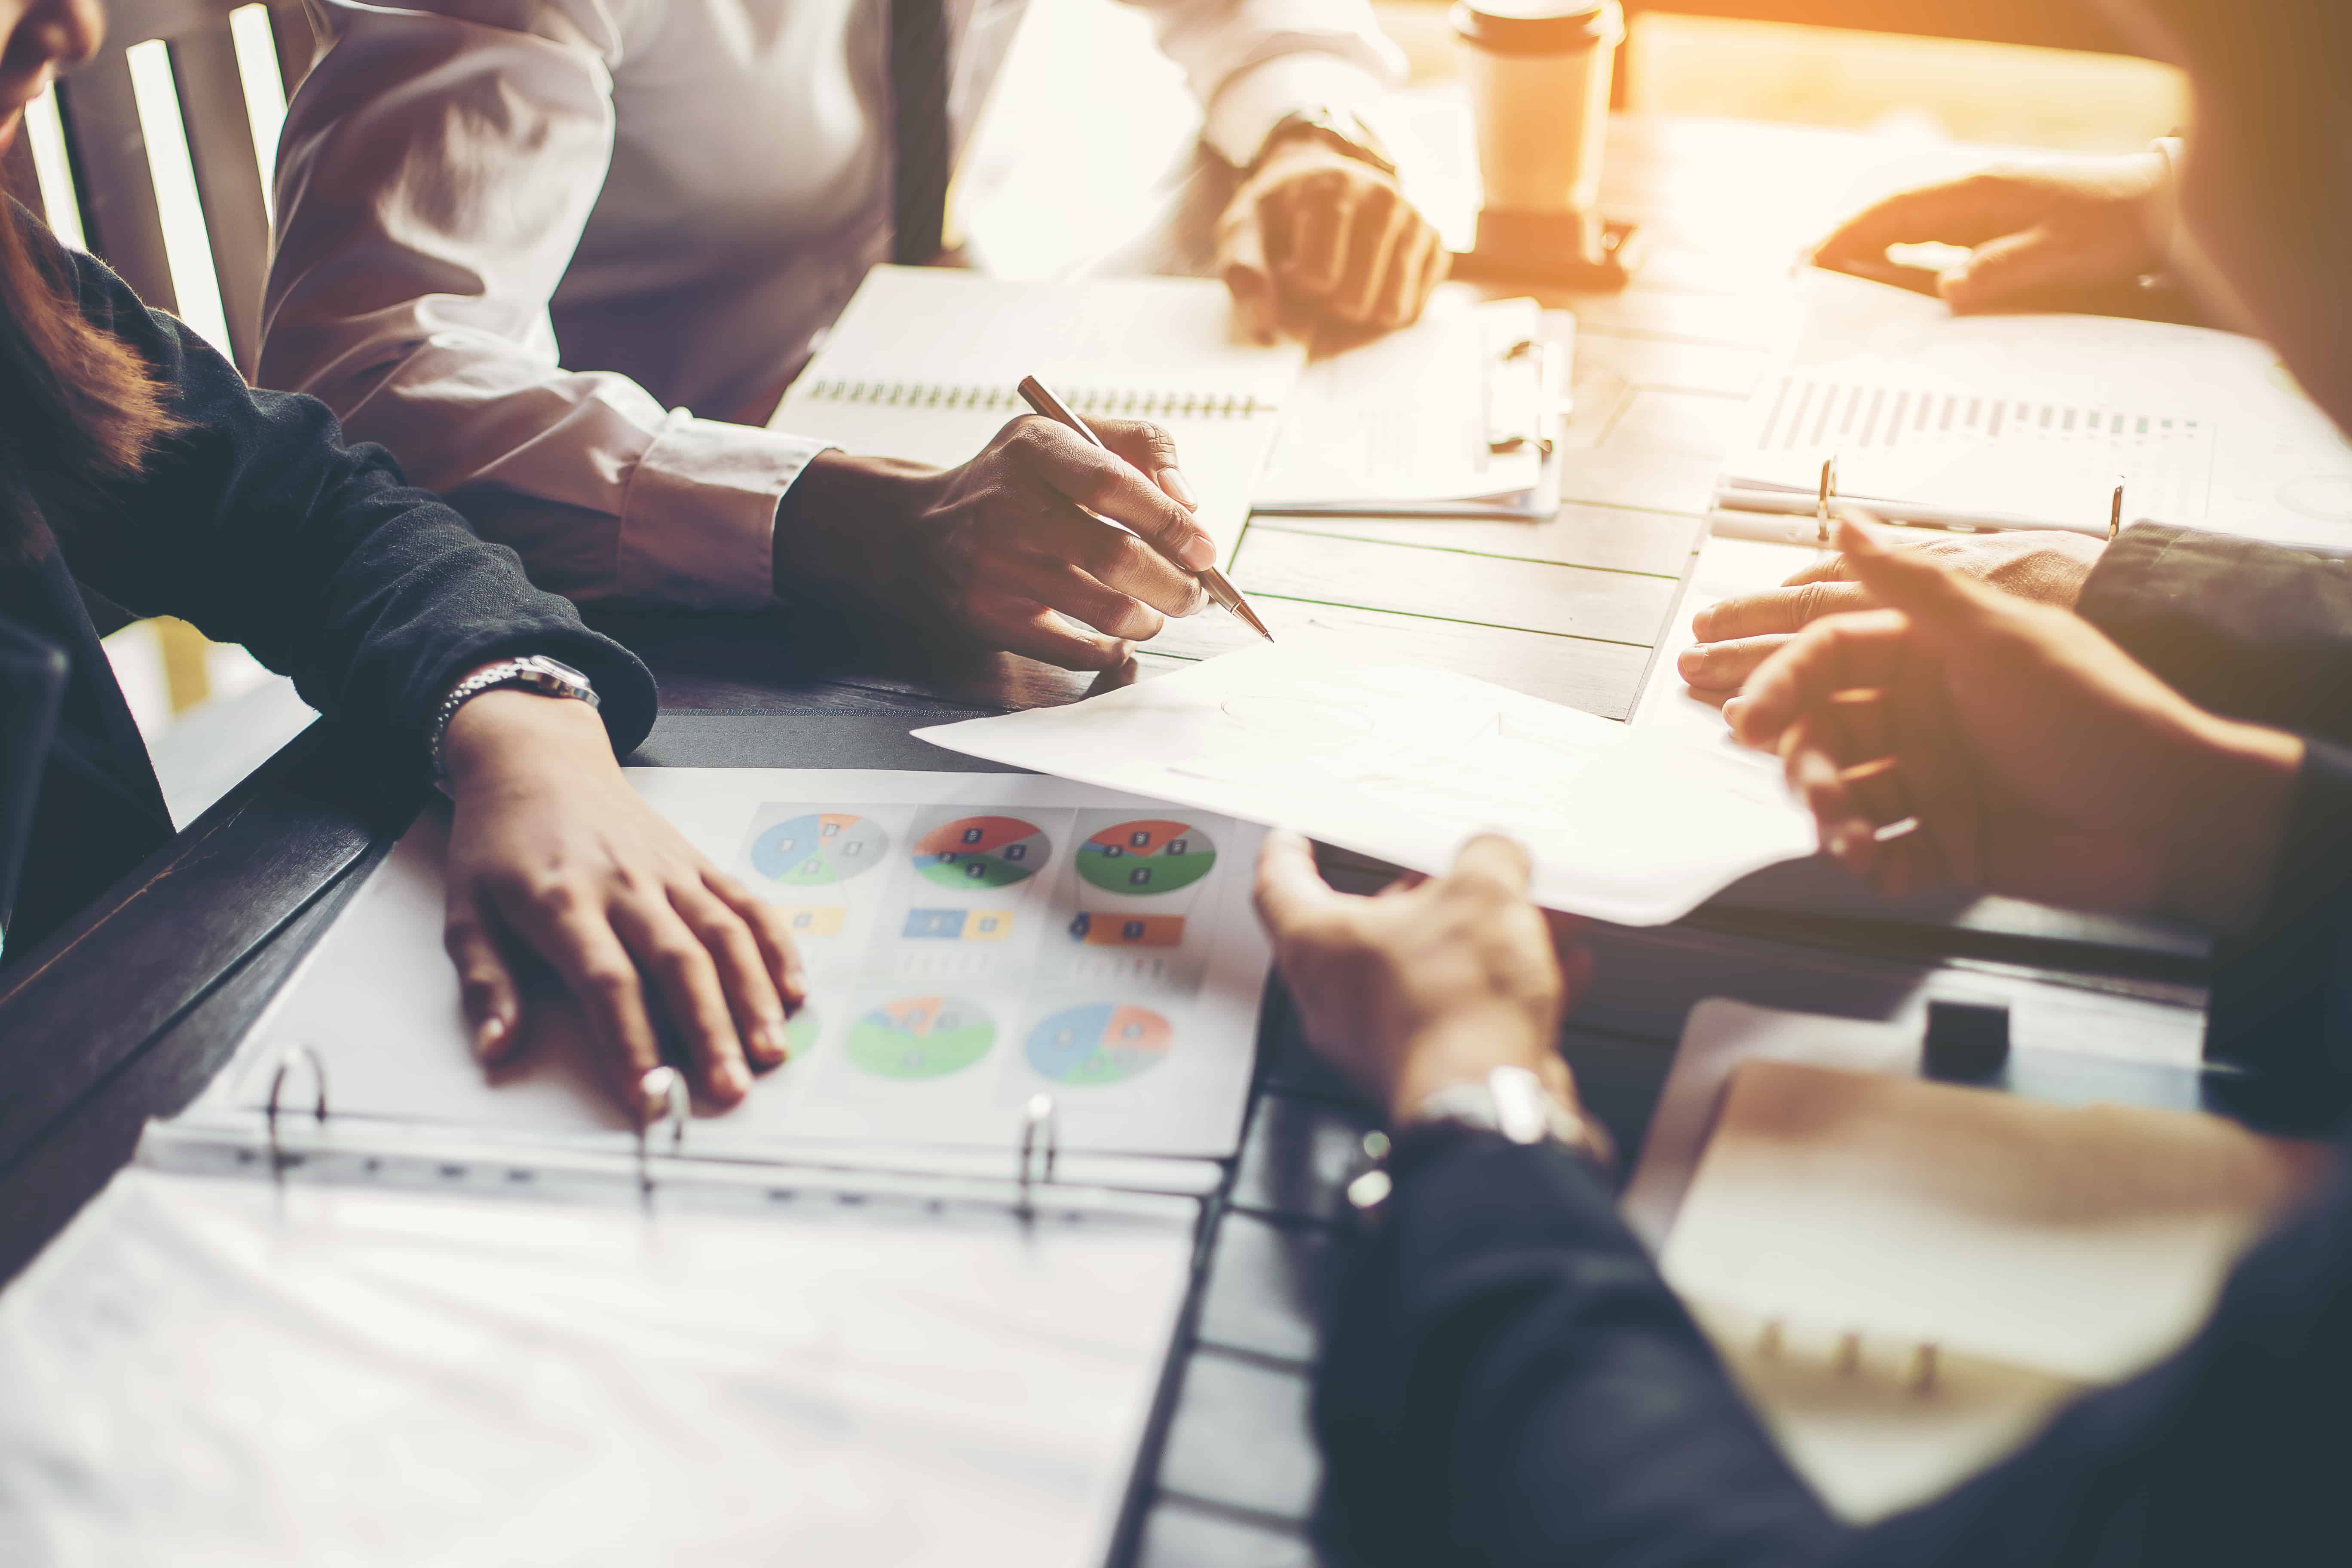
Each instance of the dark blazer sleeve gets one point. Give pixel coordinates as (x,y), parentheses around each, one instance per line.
(1509,1383)
(2282,996)
(2252,631)
(260,526)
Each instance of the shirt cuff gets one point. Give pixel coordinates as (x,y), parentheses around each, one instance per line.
(1253,100)
(698,522)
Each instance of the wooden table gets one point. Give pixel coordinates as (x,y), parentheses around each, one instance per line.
(128,1014)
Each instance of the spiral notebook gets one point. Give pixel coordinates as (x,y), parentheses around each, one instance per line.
(923,362)
(1908,1278)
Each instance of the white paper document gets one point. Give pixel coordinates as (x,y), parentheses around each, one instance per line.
(210,1371)
(2031,421)
(1635,826)
(972,940)
(1456,416)
(923,362)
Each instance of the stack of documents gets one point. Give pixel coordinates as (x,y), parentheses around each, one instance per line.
(2030,422)
(1458,416)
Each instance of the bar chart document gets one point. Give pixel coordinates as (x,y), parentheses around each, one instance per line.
(2031,421)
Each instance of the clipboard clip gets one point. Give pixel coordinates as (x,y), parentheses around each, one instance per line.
(1522,392)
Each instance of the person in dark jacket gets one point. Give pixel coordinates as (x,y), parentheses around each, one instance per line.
(1508,1380)
(135,462)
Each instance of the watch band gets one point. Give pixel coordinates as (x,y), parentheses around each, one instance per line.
(1510,1104)
(533,672)
(1343,129)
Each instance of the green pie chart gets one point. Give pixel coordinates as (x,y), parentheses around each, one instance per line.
(921,1037)
(1146,856)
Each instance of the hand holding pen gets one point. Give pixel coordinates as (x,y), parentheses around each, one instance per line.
(1220,589)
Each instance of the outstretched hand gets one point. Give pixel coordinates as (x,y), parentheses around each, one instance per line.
(1738,634)
(1431,982)
(551,852)
(2038,234)
(1965,736)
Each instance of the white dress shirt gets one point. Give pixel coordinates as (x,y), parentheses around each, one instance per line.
(562,255)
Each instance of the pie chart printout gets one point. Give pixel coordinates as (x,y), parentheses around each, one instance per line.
(921,1037)
(820,848)
(981,852)
(1146,856)
(1102,1043)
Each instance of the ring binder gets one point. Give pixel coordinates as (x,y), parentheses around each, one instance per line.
(668,1085)
(294,1057)
(1037,1115)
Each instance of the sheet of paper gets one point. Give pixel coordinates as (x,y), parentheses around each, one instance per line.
(923,362)
(1872,1227)
(973,940)
(1324,734)
(2033,419)
(210,1371)
(1402,419)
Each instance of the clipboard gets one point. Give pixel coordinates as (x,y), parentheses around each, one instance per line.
(1458,415)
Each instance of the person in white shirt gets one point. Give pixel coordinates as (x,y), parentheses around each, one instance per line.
(561,256)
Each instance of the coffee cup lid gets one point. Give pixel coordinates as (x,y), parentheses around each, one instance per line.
(1538,27)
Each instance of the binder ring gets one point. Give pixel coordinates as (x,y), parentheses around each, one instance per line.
(1035,1117)
(294,1056)
(666,1085)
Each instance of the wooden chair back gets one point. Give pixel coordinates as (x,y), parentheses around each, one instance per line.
(113,183)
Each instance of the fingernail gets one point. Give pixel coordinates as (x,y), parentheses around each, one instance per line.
(1837,844)
(767,1043)
(1733,707)
(488,1036)
(1703,623)
(1693,654)
(1199,551)
(1173,482)
(734,1079)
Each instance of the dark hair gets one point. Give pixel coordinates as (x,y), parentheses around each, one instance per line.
(79,405)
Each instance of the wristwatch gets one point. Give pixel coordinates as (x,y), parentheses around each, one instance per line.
(1509,1102)
(534,672)
(1343,129)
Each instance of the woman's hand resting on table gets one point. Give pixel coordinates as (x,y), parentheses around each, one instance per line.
(2036,758)
(1430,983)
(549,850)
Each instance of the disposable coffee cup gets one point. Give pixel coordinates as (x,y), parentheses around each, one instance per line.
(1539,73)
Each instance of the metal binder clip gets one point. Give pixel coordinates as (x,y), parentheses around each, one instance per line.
(1822,505)
(1518,418)
(278,1159)
(2116,513)
(668,1085)
(1036,1118)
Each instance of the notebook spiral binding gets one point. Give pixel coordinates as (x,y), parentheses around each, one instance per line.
(431,1159)
(1109,402)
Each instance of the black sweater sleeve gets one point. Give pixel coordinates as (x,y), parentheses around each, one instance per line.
(260,526)
(1509,1383)
(2252,631)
